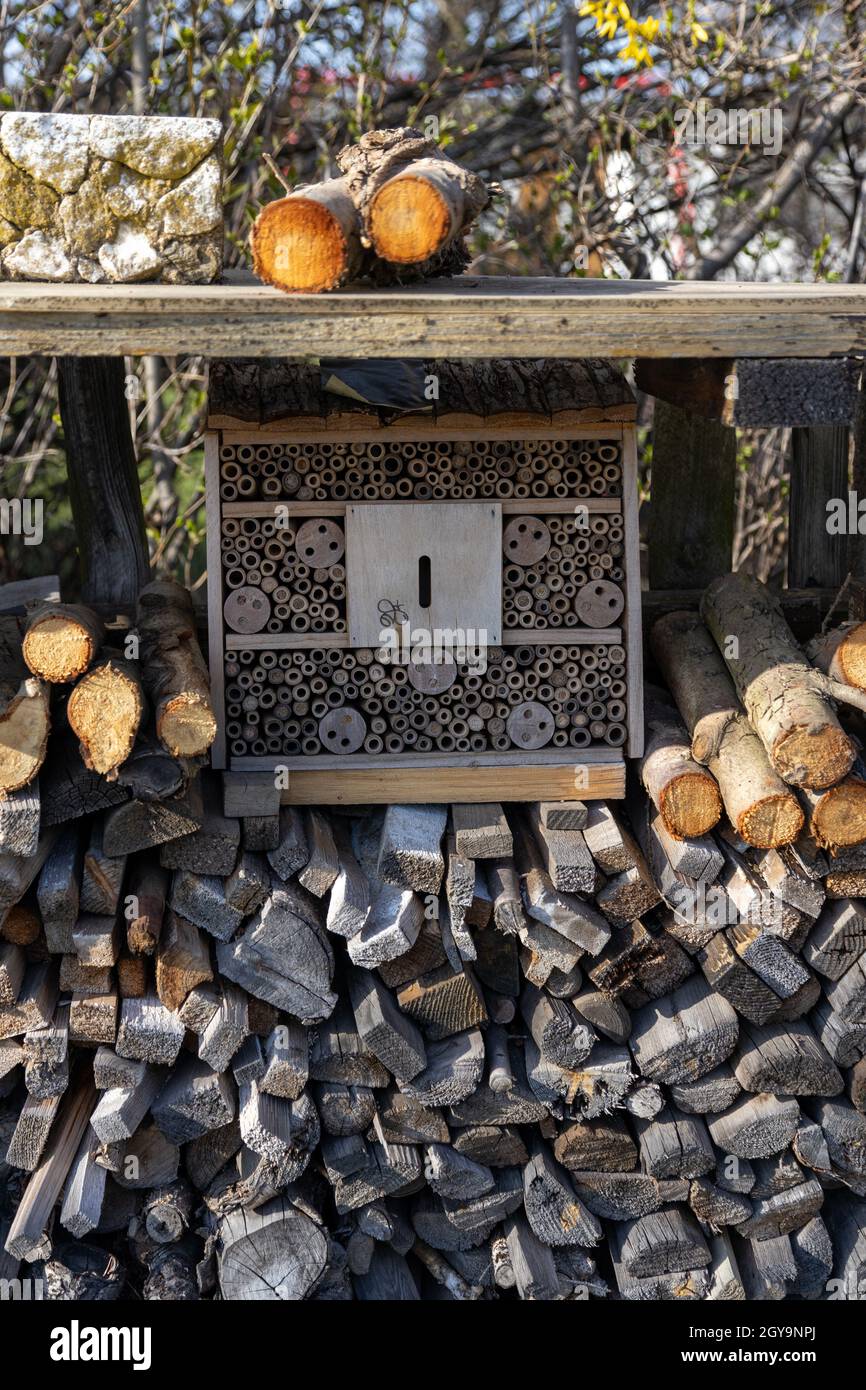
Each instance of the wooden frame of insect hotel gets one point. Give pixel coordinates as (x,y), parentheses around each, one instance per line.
(432,603)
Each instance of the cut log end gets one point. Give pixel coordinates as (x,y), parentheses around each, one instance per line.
(690,805)
(839,818)
(186,726)
(299,244)
(59,649)
(410,220)
(851,657)
(773,821)
(25,721)
(815,757)
(104,711)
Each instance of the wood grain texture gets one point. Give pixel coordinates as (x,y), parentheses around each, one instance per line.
(475,317)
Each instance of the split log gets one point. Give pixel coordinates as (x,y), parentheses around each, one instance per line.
(755,1126)
(349,898)
(226,1030)
(454,1070)
(25,721)
(685,1036)
(444,1002)
(617,1196)
(481,831)
(785,699)
(309,241)
(62,641)
(93,1017)
(604,1145)
(399,1118)
(104,711)
(533,1264)
(337,1053)
(759,805)
(284,956)
(193,1101)
(553,1208)
(27,1239)
(768,1269)
(387,1032)
(710,1094)
(137,825)
(182,962)
(286,1060)
(558,1031)
(119,1113)
(174,672)
(145,904)
(84,1194)
(732,980)
(564,913)
(663,1242)
(323,865)
(813,1256)
(292,852)
(410,855)
(674,1145)
(565,856)
(508,913)
(57,891)
(148,1032)
(451,1174)
(202,900)
(786,1059)
(784,1212)
(20,818)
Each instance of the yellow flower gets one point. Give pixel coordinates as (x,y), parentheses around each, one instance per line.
(699,34)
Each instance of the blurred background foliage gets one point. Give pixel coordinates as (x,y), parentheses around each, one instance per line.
(574,110)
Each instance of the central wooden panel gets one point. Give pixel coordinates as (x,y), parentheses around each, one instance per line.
(401,555)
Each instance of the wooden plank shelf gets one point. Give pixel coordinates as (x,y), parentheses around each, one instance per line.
(472,316)
(588,774)
(511,506)
(511,637)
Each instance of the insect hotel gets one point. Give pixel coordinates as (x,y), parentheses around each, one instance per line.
(432,603)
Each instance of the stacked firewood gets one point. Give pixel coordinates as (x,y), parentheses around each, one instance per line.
(399,210)
(551,1051)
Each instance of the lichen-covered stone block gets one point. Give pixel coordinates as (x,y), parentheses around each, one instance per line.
(113,199)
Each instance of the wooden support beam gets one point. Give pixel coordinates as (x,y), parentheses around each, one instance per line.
(103,480)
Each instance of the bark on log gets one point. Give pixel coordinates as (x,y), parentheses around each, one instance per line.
(841,654)
(175,675)
(309,241)
(62,641)
(415,205)
(785,699)
(759,805)
(685,794)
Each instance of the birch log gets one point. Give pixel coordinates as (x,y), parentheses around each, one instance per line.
(786,700)
(760,806)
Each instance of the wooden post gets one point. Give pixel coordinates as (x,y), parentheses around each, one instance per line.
(819,471)
(691,529)
(103,480)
